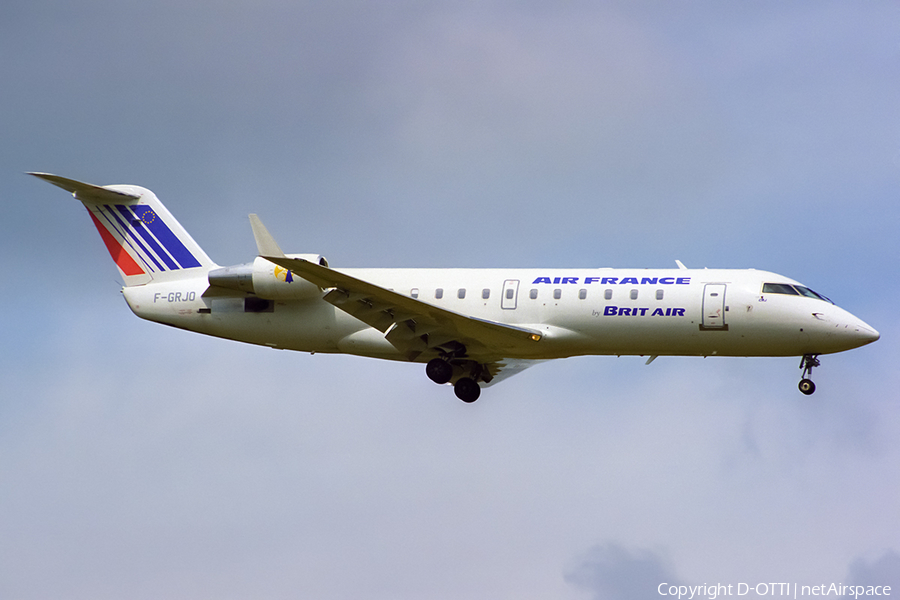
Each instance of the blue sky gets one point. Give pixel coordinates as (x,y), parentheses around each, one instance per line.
(145,462)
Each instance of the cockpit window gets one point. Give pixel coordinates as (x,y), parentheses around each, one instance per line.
(792,290)
(779,288)
(805,291)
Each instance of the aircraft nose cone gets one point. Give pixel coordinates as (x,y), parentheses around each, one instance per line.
(869,334)
(861,332)
(843,330)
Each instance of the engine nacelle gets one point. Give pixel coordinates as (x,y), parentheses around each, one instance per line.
(268,280)
(273,282)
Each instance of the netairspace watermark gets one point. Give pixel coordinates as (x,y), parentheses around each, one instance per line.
(790,590)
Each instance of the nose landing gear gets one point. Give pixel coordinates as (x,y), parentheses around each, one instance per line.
(807,363)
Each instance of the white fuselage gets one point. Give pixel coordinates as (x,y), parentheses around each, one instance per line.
(693,312)
(469,326)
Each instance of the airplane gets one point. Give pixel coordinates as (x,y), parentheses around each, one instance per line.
(470,327)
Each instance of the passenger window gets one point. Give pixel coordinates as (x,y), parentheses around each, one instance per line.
(439,293)
(461,293)
(634,294)
(533,294)
(510,293)
(582,294)
(659,294)
(486,293)
(557,294)
(414,292)
(608,294)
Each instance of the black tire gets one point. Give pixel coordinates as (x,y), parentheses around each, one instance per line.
(439,370)
(467,389)
(807,386)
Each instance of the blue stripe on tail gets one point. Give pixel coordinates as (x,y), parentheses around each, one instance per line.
(126,228)
(172,245)
(166,237)
(138,226)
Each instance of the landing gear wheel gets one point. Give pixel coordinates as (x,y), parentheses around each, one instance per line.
(439,370)
(467,389)
(807,386)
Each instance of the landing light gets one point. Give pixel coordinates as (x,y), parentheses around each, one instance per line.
(536,337)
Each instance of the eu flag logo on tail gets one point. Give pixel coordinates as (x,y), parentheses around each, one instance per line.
(148,217)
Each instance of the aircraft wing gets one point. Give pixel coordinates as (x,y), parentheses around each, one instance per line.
(413,326)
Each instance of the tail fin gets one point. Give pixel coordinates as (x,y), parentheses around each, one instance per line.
(143,238)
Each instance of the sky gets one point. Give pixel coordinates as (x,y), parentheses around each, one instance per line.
(144,462)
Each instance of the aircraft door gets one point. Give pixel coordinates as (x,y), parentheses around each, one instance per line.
(510,294)
(714,306)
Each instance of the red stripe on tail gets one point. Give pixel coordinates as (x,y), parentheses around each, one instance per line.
(123,260)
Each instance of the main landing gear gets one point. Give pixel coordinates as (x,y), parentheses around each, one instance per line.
(807,363)
(441,371)
(467,389)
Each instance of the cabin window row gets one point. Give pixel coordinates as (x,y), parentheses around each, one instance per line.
(533,294)
(460,293)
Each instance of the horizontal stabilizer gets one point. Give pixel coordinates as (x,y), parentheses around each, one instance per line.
(86,192)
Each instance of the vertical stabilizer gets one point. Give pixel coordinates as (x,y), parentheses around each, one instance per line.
(142,237)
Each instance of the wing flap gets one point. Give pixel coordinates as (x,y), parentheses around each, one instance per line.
(404,336)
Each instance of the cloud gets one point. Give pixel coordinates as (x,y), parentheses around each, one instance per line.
(612,572)
(881,571)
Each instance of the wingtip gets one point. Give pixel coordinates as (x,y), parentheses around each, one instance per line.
(265,243)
